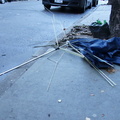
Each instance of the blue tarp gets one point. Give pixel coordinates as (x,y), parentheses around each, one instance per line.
(108,50)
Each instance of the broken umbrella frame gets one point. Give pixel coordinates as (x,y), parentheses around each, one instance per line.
(78,53)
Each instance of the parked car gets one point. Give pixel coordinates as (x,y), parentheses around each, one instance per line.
(2,1)
(81,5)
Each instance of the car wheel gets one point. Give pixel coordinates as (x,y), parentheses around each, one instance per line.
(62,7)
(90,6)
(2,1)
(47,7)
(83,8)
(95,2)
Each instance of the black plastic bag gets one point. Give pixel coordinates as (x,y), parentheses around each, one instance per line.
(101,31)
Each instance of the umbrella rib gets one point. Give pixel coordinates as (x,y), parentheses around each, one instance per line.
(112,83)
(53,73)
(96,57)
(33,59)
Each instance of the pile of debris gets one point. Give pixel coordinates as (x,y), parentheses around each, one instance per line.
(78,32)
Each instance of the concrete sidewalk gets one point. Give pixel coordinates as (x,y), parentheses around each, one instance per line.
(62,86)
(101,12)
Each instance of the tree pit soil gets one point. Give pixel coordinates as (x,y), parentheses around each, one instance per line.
(75,33)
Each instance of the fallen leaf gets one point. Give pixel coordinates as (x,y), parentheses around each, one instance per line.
(111,70)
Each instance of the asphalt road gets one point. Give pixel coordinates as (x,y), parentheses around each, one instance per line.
(24,25)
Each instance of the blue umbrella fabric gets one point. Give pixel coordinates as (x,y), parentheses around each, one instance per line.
(99,51)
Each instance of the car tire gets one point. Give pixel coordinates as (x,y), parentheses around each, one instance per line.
(95,2)
(62,7)
(82,9)
(2,1)
(90,6)
(47,7)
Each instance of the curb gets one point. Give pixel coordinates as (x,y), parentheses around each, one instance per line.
(87,15)
(61,35)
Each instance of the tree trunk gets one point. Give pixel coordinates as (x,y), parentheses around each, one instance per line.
(115,19)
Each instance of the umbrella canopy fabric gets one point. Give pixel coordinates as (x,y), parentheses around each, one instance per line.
(98,51)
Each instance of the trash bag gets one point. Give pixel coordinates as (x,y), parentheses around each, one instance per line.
(100,30)
(99,51)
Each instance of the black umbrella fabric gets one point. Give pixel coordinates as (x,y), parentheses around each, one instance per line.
(100,52)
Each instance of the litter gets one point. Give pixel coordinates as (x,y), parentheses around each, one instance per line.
(59,101)
(101,53)
(87,118)
(100,30)
(90,50)
(99,71)
(76,46)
